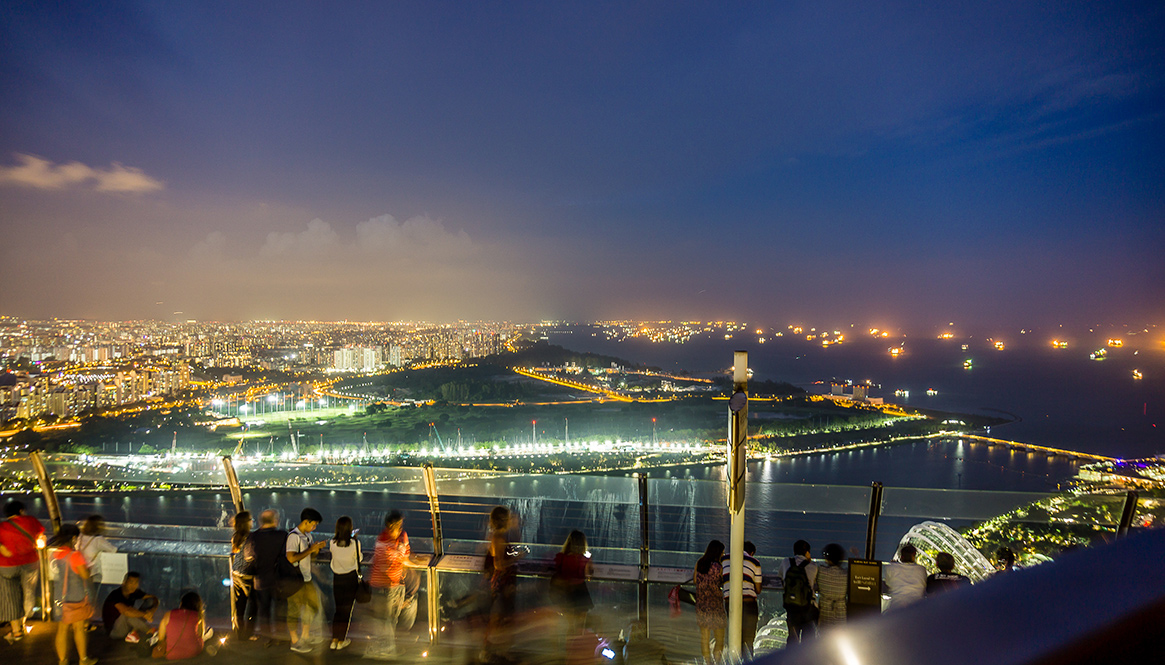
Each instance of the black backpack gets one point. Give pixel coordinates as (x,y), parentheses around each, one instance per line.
(798,591)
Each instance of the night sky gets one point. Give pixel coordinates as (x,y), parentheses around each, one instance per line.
(988,163)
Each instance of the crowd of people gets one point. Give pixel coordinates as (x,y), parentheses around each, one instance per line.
(74,563)
(277,600)
(814,596)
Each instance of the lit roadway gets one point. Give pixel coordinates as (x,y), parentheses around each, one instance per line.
(605,392)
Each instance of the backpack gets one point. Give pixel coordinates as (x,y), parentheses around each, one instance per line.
(798,592)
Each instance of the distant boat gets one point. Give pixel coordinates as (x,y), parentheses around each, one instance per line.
(1099,354)
(999,346)
(967,364)
(902,393)
(964,347)
(931,391)
(1137,374)
(1059,344)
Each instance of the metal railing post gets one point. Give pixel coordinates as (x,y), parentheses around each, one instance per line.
(1127,514)
(644,547)
(233,483)
(872,519)
(46,591)
(434,507)
(46,488)
(50,498)
(434,604)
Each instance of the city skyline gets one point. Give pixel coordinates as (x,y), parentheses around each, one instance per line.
(896,166)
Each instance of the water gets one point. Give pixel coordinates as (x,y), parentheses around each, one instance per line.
(924,463)
(1059,398)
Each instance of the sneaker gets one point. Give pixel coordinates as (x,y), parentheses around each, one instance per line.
(133,638)
(301,648)
(332,646)
(208,634)
(342,645)
(88,661)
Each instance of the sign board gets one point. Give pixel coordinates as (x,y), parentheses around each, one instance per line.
(610,571)
(113,567)
(865,587)
(468,563)
(673,575)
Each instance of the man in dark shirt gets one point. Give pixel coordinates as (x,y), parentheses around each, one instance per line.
(122,616)
(262,552)
(946,579)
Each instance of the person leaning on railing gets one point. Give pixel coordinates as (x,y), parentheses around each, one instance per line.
(388,590)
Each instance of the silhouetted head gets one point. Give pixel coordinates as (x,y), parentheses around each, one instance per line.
(801,548)
(13,508)
(907,553)
(93,525)
(499,519)
(576,543)
(944,561)
(833,553)
(190,601)
(711,555)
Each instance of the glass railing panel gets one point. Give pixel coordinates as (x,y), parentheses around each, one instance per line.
(773,532)
(842,499)
(544,519)
(942,504)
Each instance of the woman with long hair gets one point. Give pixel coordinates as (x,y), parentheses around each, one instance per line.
(242,583)
(182,631)
(710,614)
(74,606)
(346,557)
(572,567)
(832,585)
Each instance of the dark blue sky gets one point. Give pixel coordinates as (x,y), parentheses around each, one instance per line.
(891,164)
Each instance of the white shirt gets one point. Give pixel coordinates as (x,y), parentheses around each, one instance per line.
(91,547)
(298,541)
(345,558)
(905,582)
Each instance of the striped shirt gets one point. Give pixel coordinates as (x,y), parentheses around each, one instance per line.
(752,575)
(388,561)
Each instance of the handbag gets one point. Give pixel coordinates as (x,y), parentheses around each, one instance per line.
(363,592)
(363,588)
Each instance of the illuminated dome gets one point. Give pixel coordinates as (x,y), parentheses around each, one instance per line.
(931,537)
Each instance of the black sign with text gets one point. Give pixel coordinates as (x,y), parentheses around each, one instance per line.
(865,587)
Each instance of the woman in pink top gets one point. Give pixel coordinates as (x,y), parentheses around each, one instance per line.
(180,634)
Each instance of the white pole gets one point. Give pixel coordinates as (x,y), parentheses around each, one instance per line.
(737,461)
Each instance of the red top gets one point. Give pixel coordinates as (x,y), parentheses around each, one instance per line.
(388,560)
(22,547)
(572,568)
(182,638)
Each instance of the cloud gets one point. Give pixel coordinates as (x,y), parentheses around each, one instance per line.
(39,173)
(318,238)
(415,235)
